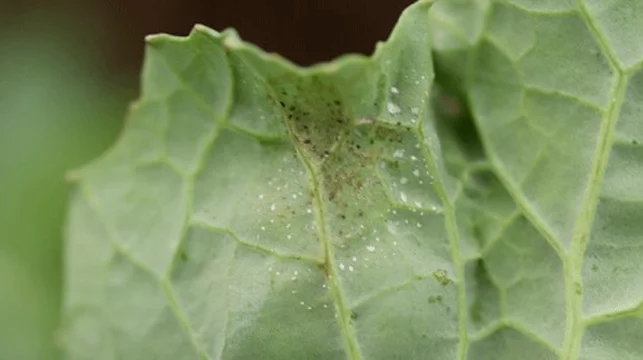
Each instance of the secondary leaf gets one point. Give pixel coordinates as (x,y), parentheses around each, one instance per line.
(555,88)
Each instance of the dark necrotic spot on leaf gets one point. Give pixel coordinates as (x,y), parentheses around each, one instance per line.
(441,277)
(435,299)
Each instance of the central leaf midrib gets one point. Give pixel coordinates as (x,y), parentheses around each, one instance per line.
(342,310)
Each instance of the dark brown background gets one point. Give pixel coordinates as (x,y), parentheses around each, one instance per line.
(305,31)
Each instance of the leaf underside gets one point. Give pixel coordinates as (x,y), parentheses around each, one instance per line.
(253,209)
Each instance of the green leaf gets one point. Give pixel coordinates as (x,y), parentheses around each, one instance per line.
(253,209)
(555,89)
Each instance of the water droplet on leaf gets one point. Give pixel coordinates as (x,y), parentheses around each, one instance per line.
(393,108)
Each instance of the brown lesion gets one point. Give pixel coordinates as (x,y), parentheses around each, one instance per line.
(341,149)
(321,125)
(323,267)
(313,112)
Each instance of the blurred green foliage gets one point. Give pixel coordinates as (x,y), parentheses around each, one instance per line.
(57,111)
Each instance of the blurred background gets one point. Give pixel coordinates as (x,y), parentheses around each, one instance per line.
(68,69)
